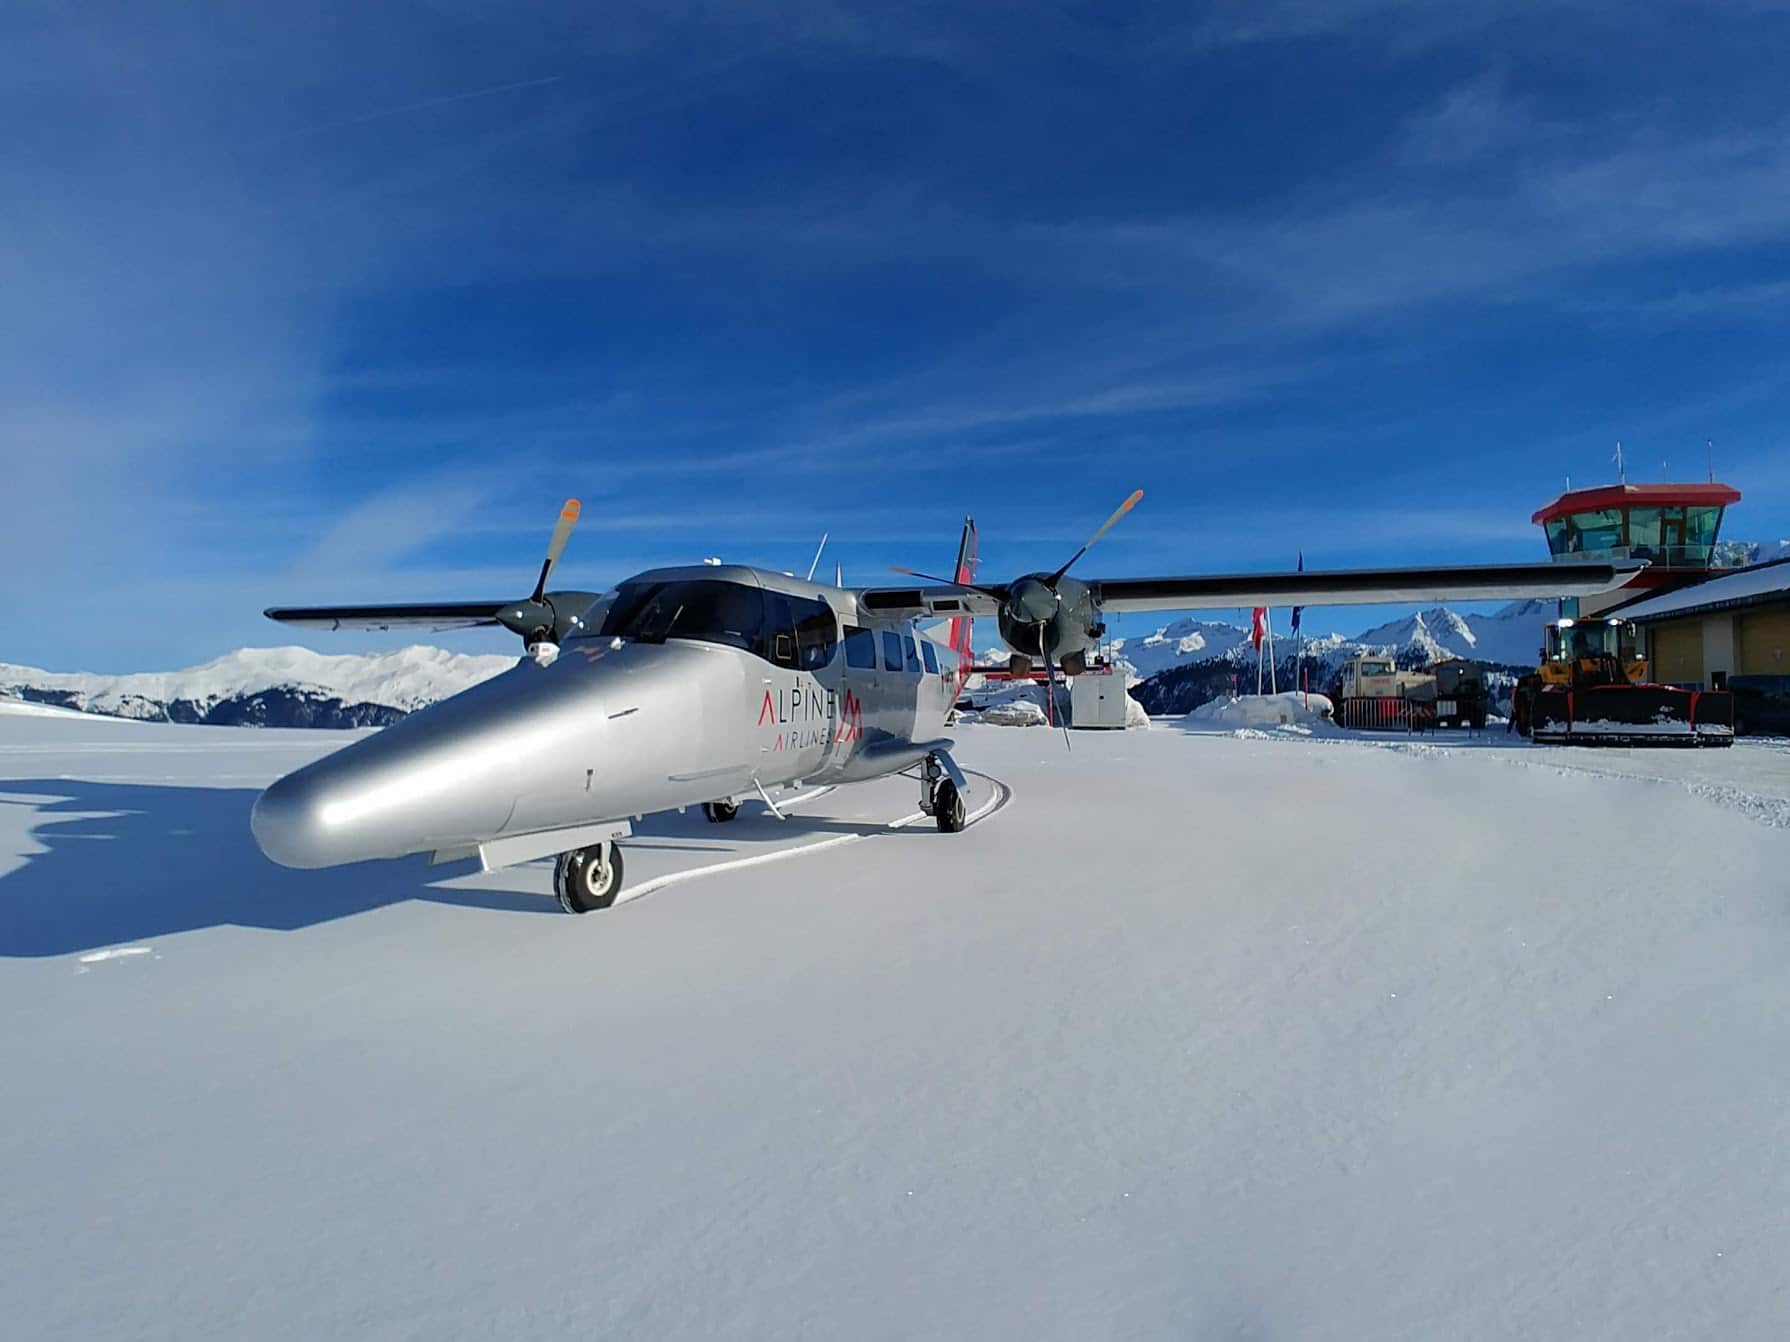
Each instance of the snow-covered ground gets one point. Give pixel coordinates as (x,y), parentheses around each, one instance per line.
(1192,1035)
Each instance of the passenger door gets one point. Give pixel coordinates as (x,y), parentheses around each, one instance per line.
(793,719)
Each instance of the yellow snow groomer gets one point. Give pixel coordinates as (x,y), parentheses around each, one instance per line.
(1592,689)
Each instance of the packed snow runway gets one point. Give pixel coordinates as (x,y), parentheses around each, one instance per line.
(1193,1034)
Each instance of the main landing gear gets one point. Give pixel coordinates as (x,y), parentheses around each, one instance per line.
(940,796)
(588,878)
(719,812)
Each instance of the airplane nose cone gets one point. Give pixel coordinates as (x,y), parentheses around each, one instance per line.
(287,823)
(441,778)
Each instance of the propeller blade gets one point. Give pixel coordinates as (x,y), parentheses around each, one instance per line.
(1105,527)
(562,532)
(1050,689)
(933,577)
(819,550)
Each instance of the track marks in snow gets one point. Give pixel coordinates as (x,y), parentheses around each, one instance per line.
(999,795)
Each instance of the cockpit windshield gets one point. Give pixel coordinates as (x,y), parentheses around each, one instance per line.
(799,633)
(707,609)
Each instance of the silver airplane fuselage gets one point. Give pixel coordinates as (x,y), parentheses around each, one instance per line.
(772,682)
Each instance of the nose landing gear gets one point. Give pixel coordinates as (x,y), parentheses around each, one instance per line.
(588,878)
(940,796)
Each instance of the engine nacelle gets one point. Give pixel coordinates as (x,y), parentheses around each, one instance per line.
(1073,625)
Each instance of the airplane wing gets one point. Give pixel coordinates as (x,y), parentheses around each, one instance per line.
(1310,587)
(1362,587)
(424,615)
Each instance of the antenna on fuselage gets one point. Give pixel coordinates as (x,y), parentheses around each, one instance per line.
(817,553)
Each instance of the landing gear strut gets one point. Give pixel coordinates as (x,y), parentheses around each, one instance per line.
(588,878)
(939,797)
(719,812)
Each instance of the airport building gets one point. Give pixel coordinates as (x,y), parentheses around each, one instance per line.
(1698,625)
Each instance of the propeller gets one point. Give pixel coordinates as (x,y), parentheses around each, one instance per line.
(1034,601)
(537,620)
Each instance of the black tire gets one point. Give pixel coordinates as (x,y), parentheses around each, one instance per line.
(584,882)
(719,812)
(947,808)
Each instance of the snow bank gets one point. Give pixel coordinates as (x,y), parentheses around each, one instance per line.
(1285,710)
(1010,713)
(1023,706)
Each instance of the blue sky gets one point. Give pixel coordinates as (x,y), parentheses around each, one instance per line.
(338,302)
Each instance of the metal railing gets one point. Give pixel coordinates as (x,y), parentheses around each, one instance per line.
(1384,715)
(1660,556)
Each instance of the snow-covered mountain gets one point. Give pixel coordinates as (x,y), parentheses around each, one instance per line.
(1740,554)
(266,687)
(1508,637)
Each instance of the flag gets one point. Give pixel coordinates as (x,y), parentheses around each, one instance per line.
(1258,626)
(1297,609)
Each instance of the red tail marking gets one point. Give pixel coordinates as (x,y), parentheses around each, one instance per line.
(959,641)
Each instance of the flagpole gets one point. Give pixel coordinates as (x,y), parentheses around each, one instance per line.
(1299,642)
(1299,666)
(1273,677)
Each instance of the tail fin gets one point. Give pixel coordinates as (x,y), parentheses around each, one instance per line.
(965,572)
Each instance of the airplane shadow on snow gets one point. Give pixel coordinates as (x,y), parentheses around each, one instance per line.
(127,861)
(130,861)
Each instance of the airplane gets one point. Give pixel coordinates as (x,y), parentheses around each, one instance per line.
(714,683)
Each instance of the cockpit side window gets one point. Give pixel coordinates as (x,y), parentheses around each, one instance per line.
(912,654)
(891,650)
(817,633)
(929,656)
(780,632)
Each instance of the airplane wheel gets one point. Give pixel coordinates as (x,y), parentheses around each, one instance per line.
(947,808)
(584,881)
(719,812)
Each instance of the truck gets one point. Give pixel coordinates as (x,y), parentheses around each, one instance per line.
(1372,694)
(1460,693)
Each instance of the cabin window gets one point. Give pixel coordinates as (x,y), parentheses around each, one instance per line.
(928,656)
(912,654)
(891,650)
(860,648)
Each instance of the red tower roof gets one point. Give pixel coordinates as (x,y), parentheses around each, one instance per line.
(1636,496)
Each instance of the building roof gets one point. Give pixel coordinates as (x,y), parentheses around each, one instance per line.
(1744,587)
(1636,496)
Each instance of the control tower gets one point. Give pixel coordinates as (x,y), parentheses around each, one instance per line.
(1672,527)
